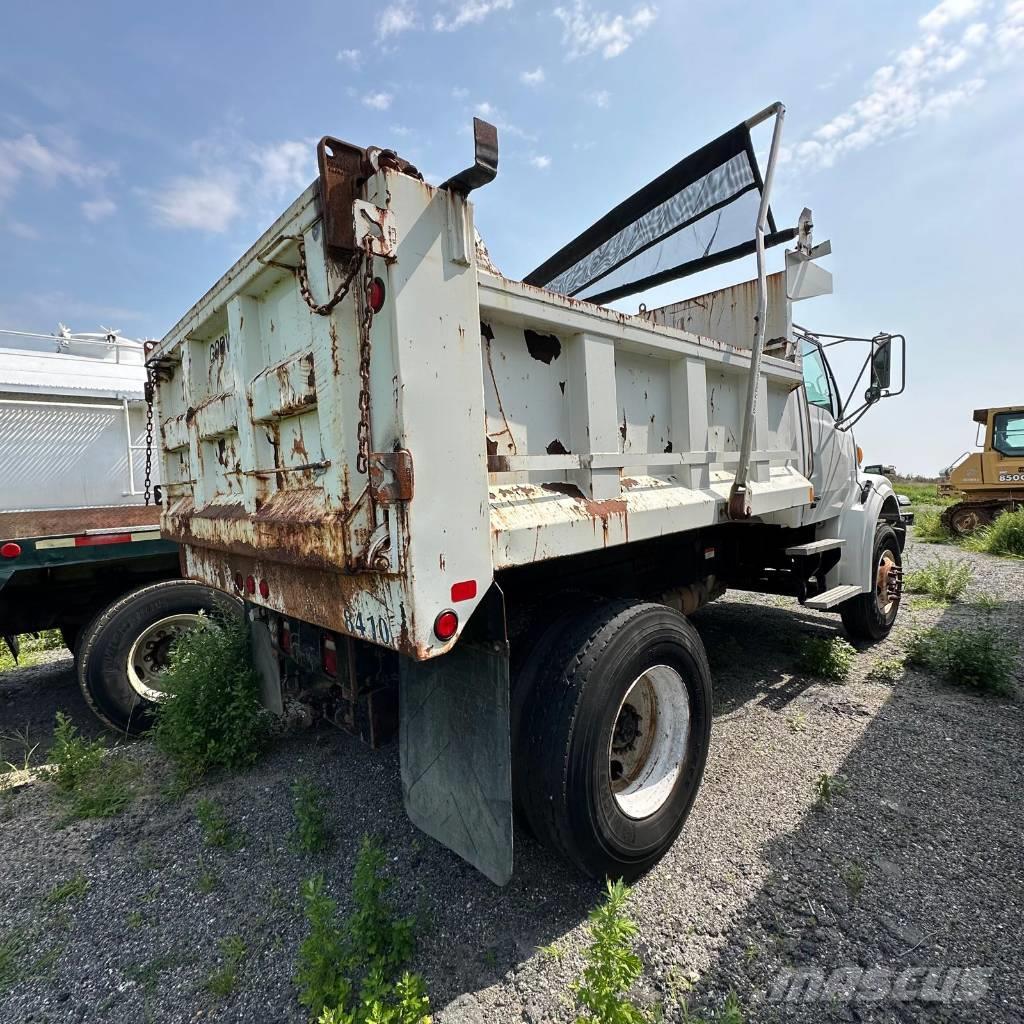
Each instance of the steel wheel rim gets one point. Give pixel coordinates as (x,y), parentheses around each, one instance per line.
(649,741)
(147,659)
(887,583)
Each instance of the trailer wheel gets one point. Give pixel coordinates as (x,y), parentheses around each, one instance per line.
(613,737)
(871,616)
(124,650)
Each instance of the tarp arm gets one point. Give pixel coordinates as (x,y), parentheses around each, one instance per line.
(739,499)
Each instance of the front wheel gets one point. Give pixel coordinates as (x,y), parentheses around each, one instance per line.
(613,737)
(125,649)
(871,616)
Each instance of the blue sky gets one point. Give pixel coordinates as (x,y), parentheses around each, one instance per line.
(144,147)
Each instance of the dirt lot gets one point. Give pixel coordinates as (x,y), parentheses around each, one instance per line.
(918,864)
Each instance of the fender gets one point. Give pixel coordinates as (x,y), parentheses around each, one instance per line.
(872,499)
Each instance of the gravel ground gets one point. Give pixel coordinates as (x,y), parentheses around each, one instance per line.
(918,864)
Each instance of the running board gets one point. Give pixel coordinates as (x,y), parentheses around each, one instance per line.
(816,547)
(837,595)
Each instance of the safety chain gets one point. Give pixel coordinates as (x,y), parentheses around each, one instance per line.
(342,290)
(365,322)
(148,392)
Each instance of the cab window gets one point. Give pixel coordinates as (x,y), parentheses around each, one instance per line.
(816,378)
(1008,433)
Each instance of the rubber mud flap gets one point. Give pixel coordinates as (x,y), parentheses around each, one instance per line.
(456,753)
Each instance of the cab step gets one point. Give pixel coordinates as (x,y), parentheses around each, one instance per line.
(815,547)
(837,595)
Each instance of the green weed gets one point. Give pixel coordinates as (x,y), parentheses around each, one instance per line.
(215,719)
(1004,537)
(827,788)
(978,659)
(32,647)
(987,603)
(854,876)
(797,721)
(73,889)
(828,658)
(215,825)
(136,920)
(207,880)
(89,782)
(920,492)
(552,951)
(928,527)
(349,974)
(612,967)
(888,670)
(311,832)
(223,981)
(13,946)
(942,579)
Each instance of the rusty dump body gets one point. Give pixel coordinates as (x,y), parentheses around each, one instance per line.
(372,427)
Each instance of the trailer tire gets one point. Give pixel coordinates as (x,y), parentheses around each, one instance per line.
(871,616)
(593,782)
(124,648)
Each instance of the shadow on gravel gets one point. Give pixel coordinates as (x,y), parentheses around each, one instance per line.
(915,866)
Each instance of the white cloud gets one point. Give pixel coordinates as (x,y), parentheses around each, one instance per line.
(468,12)
(939,73)
(24,231)
(542,163)
(534,77)
(378,100)
(96,209)
(203,203)
(948,12)
(599,97)
(46,164)
(396,18)
(490,112)
(585,31)
(285,168)
(351,57)
(486,109)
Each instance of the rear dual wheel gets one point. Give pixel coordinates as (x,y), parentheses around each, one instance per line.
(612,728)
(125,650)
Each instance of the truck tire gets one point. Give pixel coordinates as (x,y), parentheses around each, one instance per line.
(122,652)
(871,616)
(613,736)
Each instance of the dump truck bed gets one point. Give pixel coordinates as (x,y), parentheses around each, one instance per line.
(505,424)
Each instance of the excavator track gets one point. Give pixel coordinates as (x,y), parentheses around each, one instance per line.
(966,517)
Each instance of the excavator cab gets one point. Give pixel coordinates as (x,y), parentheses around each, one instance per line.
(991,481)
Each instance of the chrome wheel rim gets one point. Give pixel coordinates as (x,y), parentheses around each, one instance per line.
(149,655)
(649,741)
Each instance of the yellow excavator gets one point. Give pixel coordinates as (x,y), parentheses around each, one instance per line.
(991,481)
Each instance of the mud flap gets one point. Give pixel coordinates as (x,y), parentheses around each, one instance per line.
(456,753)
(265,659)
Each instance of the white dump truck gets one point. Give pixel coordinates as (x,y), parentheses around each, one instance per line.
(498,501)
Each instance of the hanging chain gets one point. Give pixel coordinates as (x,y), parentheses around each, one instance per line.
(343,287)
(365,322)
(148,392)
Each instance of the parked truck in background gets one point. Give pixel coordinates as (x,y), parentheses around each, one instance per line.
(499,500)
(80,544)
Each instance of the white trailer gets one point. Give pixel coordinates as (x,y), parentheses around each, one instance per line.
(507,496)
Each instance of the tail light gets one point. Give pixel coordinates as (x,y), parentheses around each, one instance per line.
(446,625)
(329,656)
(250,584)
(375,295)
(264,589)
(10,550)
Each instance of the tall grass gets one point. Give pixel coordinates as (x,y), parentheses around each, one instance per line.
(1004,537)
(942,579)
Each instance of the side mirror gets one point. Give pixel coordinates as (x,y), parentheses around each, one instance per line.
(881,363)
(903,501)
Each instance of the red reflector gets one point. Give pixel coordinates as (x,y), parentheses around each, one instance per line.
(239,582)
(96,539)
(250,584)
(464,591)
(329,656)
(10,550)
(376,294)
(264,589)
(446,625)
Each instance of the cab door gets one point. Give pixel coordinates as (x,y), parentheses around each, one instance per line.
(832,452)
(1004,453)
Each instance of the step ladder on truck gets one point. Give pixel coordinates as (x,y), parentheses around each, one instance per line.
(482,509)
(80,544)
